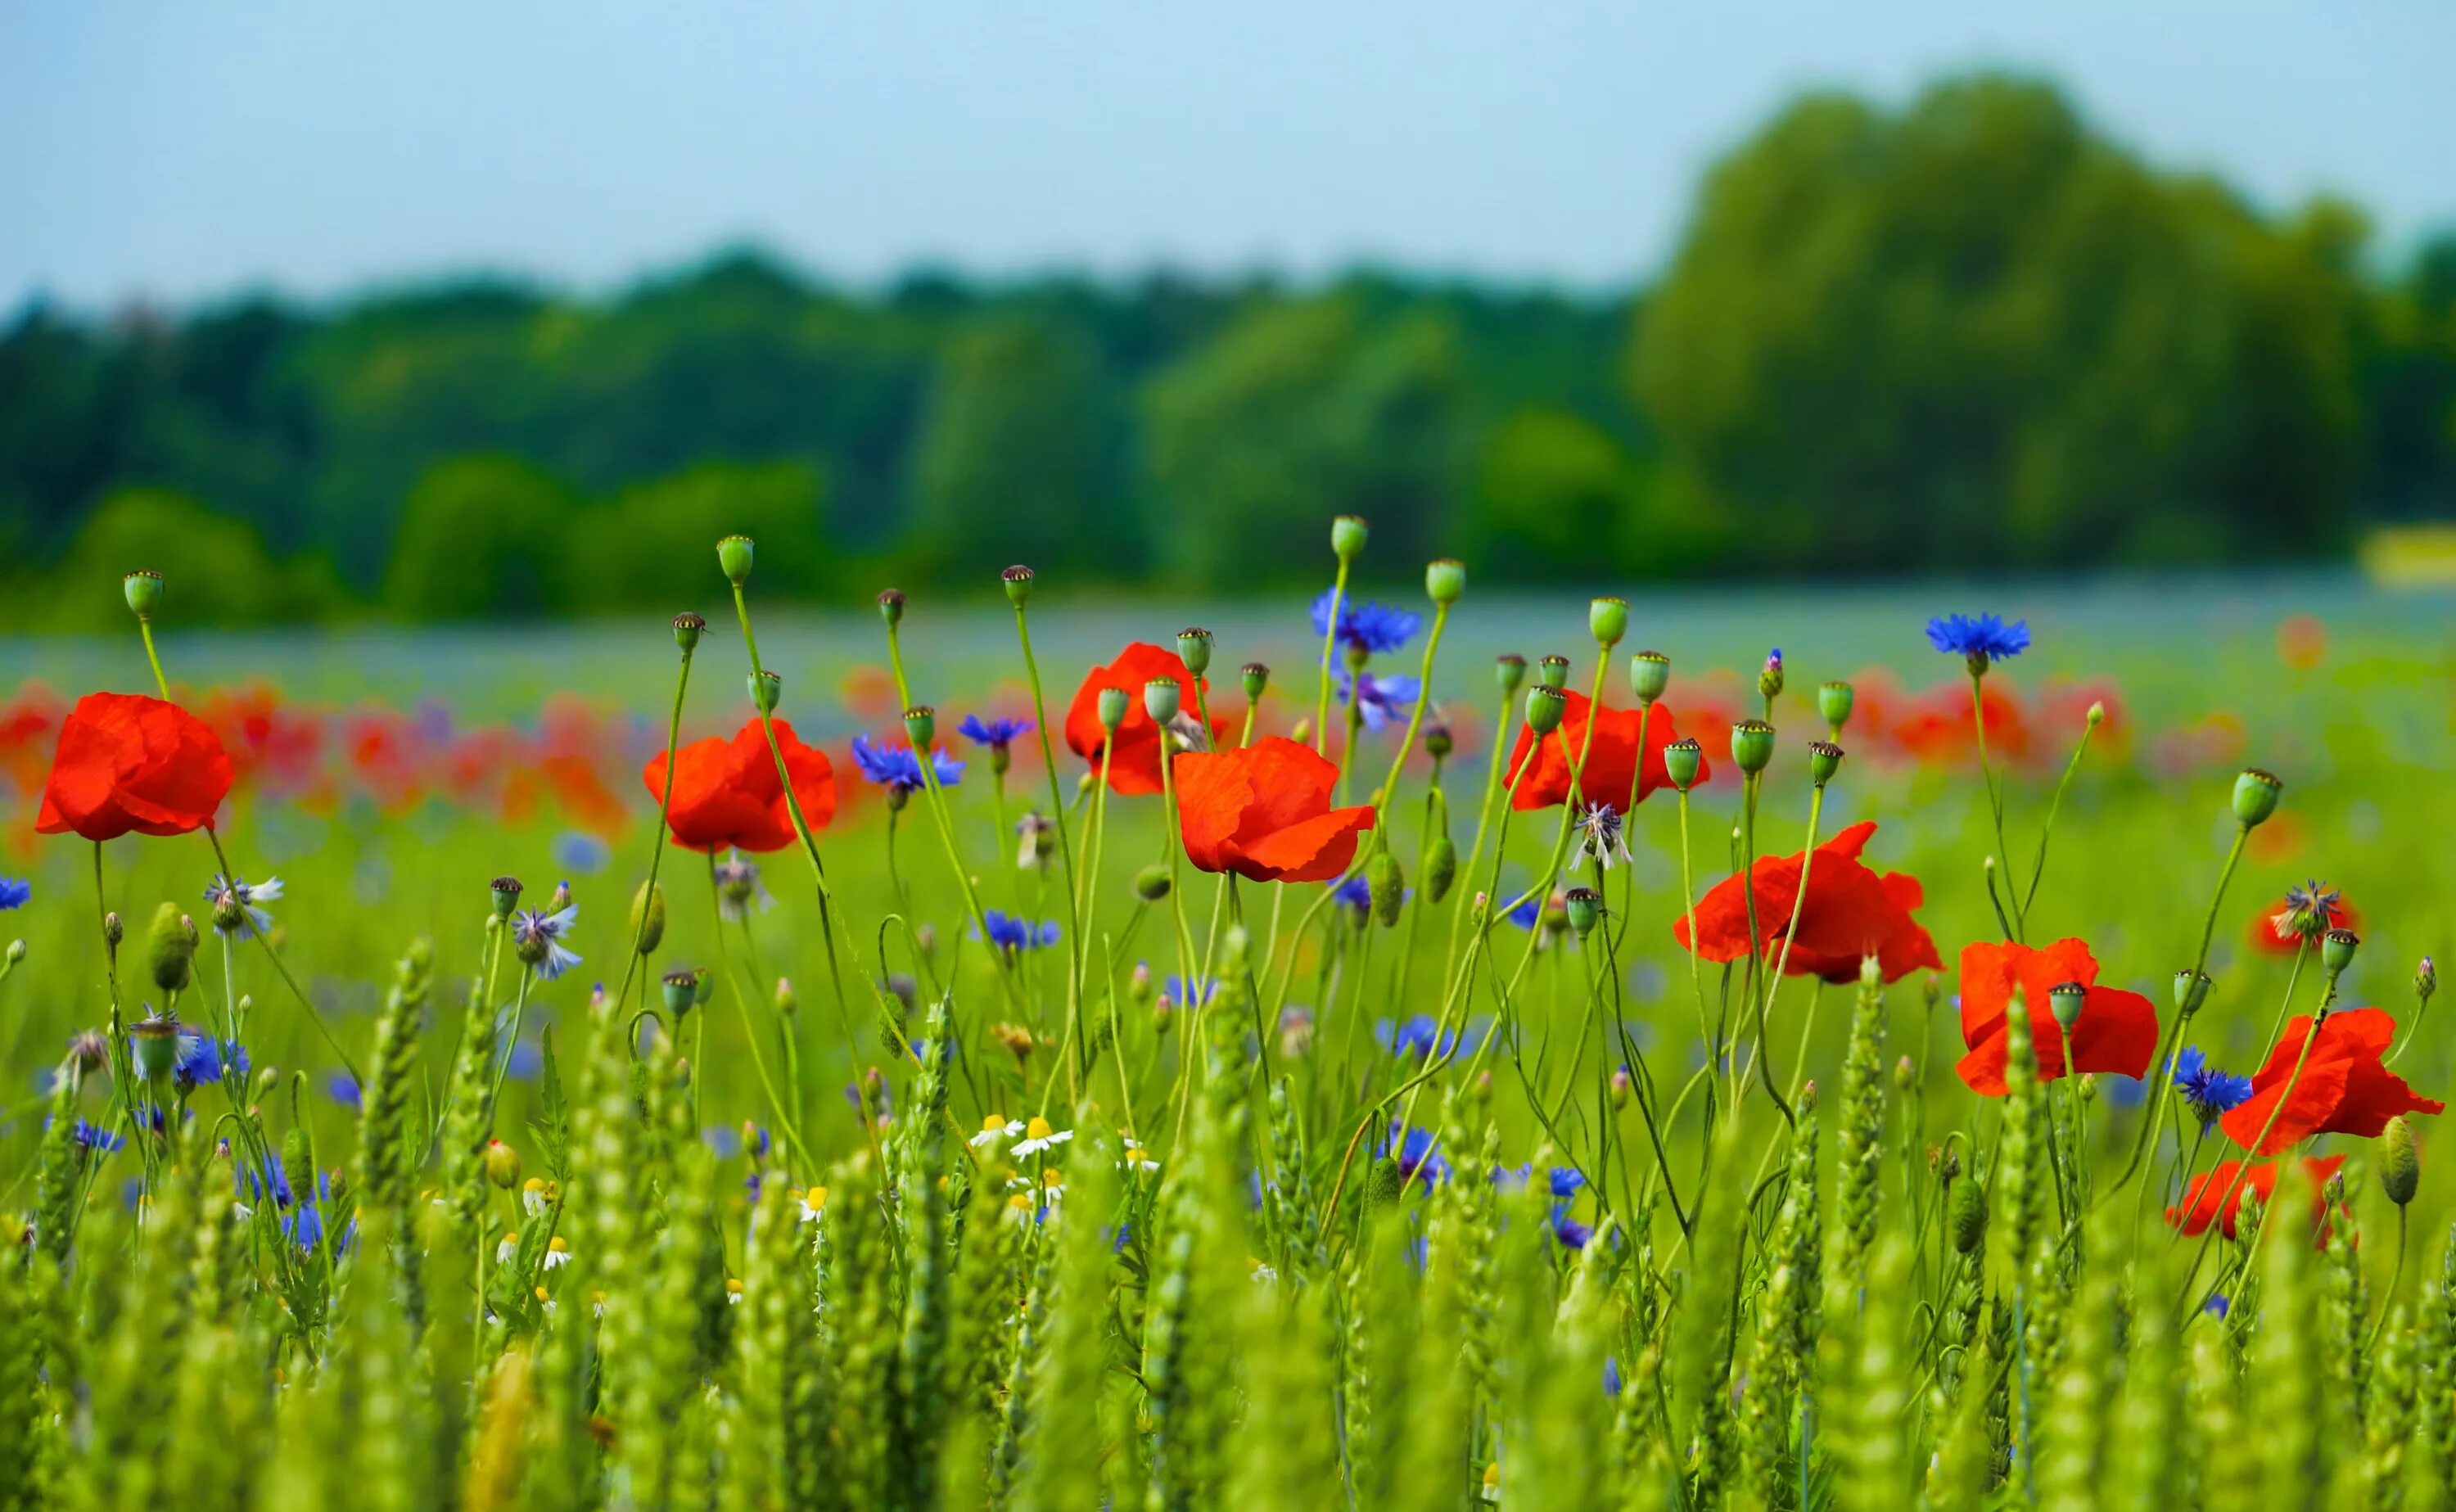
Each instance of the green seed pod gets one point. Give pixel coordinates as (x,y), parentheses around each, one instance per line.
(1682,760)
(1438,743)
(1553,671)
(1347,537)
(1969,1216)
(1161,698)
(506,895)
(891,606)
(502,1165)
(143,588)
(1151,883)
(681,992)
(1823,760)
(1649,673)
(1509,670)
(766,690)
(2400,1167)
(649,916)
(689,627)
(1607,620)
(1018,585)
(734,554)
(921,727)
(153,1041)
(1387,884)
(2191,991)
(1585,907)
(1254,677)
(1546,707)
(2067,999)
(1833,702)
(1753,745)
(2255,796)
(1441,869)
(170,948)
(1114,702)
(1444,580)
(2336,950)
(1194,650)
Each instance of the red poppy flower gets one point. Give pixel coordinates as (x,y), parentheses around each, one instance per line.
(1851,912)
(2343,1087)
(726,791)
(1263,812)
(2202,1198)
(2273,933)
(1134,769)
(1612,761)
(2118,1031)
(127,762)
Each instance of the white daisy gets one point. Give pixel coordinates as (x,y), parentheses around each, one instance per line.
(1037,1136)
(995,1128)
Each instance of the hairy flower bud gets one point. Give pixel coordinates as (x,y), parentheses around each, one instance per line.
(502,1164)
(1969,1216)
(649,916)
(170,948)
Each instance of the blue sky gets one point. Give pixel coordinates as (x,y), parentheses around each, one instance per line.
(180,151)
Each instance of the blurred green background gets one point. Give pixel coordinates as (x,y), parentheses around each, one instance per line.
(1970,334)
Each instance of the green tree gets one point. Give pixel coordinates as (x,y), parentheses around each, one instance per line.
(482,537)
(1974,332)
(1009,456)
(1558,497)
(1303,410)
(654,547)
(217,571)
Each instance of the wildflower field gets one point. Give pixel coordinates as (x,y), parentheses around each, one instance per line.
(1402,1057)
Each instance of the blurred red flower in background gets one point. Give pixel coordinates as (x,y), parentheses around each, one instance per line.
(1611,760)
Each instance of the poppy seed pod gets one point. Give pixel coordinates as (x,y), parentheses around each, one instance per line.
(170,948)
(1584,906)
(2191,991)
(502,1164)
(1018,583)
(1833,702)
(1441,869)
(144,590)
(1545,708)
(1553,671)
(1649,673)
(1112,709)
(1438,743)
(1823,760)
(1194,650)
(734,555)
(766,690)
(2255,796)
(1969,1216)
(1682,760)
(1753,745)
(1254,677)
(506,893)
(1161,698)
(2067,999)
(155,1042)
(2336,950)
(1347,537)
(681,991)
(891,606)
(1151,883)
(2400,1165)
(1509,670)
(649,916)
(921,727)
(1607,620)
(1388,887)
(689,627)
(1444,580)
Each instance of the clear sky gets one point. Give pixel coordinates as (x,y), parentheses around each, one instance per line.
(175,151)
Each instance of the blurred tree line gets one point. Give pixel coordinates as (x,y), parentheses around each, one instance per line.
(1969,333)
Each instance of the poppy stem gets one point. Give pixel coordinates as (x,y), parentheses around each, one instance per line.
(2253,1151)
(1995,791)
(665,806)
(1763,1054)
(1077,899)
(1482,820)
(1329,640)
(283,971)
(512,1041)
(2395,1278)
(785,1120)
(2039,863)
(1098,828)
(2168,1040)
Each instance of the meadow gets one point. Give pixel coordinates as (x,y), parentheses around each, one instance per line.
(1329,1111)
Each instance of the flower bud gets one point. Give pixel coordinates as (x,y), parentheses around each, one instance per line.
(891,606)
(1833,702)
(2336,950)
(2400,1165)
(1018,585)
(113,930)
(1138,983)
(1444,580)
(2425,978)
(502,1164)
(1607,620)
(1584,906)
(921,727)
(1151,883)
(506,892)
(2067,999)
(1509,670)
(2255,796)
(787,1002)
(1553,671)
(1112,709)
(1162,699)
(1681,761)
(649,916)
(16,952)
(766,688)
(1649,673)
(1194,650)
(1254,677)
(1546,707)
(1906,1075)
(170,948)
(1969,1216)
(681,991)
(1770,676)
(733,554)
(1388,887)
(2191,991)
(155,1042)
(1347,537)
(1752,744)
(689,627)
(1823,760)
(1163,1012)
(144,590)
(1619,1086)
(1441,869)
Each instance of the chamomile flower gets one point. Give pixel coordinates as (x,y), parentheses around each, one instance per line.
(536,1195)
(557,1254)
(814,1202)
(505,1248)
(732,1290)
(1133,1156)
(995,1128)
(1037,1136)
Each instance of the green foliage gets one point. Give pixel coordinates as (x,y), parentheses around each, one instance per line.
(482,537)
(227,574)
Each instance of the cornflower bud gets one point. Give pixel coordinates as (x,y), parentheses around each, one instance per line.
(2255,796)
(2425,979)
(1254,677)
(689,627)
(1753,745)
(1770,676)
(1444,580)
(1437,742)
(1018,583)
(1194,650)
(1347,537)
(143,588)
(1162,699)
(734,554)
(1619,1086)
(891,606)
(1681,761)
(1649,673)
(1509,670)
(787,1001)
(1607,622)
(113,929)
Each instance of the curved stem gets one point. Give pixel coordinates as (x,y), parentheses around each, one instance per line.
(665,806)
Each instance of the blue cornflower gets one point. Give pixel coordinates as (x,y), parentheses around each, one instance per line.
(1368,628)
(1611,1375)
(578,850)
(997,734)
(1380,699)
(895,768)
(523,1061)
(1182,992)
(537,939)
(1980,638)
(1356,892)
(1563,1181)
(1527,914)
(1572,1233)
(234,900)
(13,892)
(2207,1091)
(342,1088)
(1010,932)
(1417,1035)
(2215,1306)
(1419,1155)
(723,1139)
(93,1137)
(203,1059)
